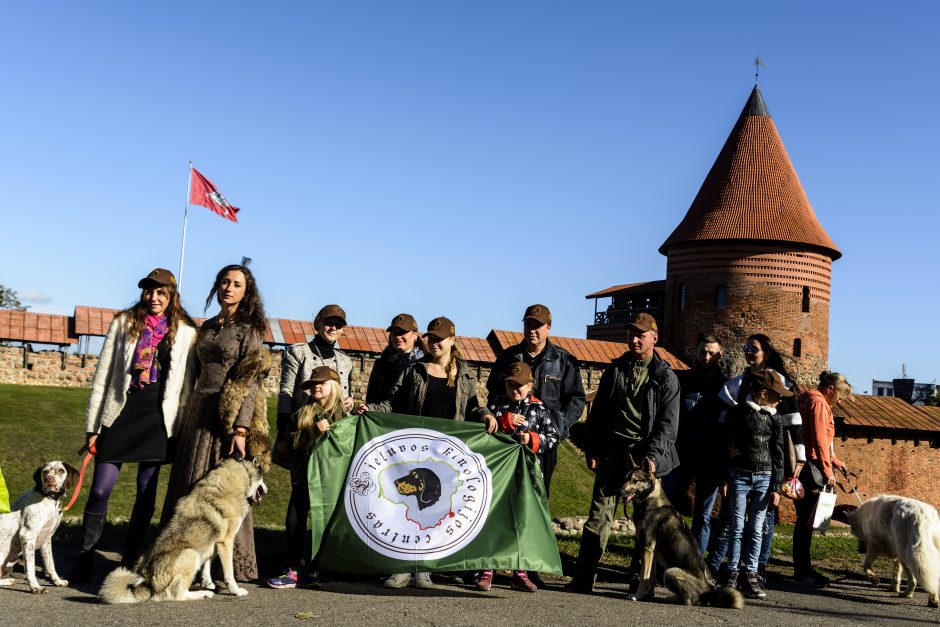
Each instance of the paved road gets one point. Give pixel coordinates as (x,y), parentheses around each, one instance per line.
(847,602)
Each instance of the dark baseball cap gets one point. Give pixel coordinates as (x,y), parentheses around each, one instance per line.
(332,311)
(518,372)
(643,322)
(319,375)
(539,313)
(403,322)
(441,328)
(160,276)
(771,380)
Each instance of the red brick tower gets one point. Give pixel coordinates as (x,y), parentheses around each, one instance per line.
(750,255)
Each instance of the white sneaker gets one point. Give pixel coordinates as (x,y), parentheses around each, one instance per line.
(423,580)
(398,580)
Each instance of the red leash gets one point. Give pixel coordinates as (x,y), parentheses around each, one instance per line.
(81,477)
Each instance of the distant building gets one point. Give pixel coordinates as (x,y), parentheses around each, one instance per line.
(749,256)
(907,389)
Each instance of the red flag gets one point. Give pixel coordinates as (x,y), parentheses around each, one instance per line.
(206,194)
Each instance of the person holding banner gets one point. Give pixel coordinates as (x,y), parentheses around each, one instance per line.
(521,414)
(144,376)
(323,407)
(232,362)
(819,432)
(403,350)
(441,385)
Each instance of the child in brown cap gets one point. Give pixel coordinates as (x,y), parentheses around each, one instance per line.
(519,412)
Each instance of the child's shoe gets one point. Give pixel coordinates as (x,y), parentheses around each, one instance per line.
(287,579)
(485,582)
(521,581)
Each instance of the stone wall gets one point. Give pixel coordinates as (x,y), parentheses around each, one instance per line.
(46,368)
(56,369)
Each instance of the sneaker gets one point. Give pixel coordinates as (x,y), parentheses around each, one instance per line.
(521,581)
(311,580)
(423,580)
(536,579)
(752,588)
(813,579)
(731,579)
(485,582)
(398,580)
(287,579)
(580,586)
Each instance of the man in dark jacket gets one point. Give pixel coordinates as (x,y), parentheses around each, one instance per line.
(698,441)
(635,416)
(555,372)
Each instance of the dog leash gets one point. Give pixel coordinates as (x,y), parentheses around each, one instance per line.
(853,487)
(81,475)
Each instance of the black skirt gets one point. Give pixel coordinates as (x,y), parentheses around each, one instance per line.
(138,434)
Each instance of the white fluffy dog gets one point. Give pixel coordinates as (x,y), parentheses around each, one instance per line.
(905,530)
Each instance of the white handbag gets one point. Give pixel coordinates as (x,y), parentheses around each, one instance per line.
(825,505)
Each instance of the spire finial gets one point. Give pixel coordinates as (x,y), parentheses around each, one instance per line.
(758,64)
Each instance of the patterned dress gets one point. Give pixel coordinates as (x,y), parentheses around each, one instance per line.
(201,439)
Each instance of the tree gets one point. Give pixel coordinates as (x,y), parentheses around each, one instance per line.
(9,299)
(933,400)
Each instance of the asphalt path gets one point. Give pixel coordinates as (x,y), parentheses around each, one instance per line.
(849,601)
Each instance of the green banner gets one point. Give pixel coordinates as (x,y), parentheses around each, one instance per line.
(4,496)
(392,493)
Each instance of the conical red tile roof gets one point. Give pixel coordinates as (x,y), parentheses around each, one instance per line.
(752,191)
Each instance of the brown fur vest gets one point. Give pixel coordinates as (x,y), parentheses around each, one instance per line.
(251,370)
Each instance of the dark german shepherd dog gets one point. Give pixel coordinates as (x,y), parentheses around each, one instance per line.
(662,534)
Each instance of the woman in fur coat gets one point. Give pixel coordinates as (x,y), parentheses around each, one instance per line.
(143,377)
(226,414)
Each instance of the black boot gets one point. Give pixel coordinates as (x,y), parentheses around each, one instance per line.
(136,534)
(92,527)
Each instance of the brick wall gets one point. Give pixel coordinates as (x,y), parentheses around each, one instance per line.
(885,465)
(764,295)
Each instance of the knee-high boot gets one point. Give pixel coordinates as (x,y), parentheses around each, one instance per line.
(136,534)
(92,528)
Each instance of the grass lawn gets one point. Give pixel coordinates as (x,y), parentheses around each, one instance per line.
(43,423)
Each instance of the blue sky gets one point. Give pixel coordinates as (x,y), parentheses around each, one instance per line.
(464,159)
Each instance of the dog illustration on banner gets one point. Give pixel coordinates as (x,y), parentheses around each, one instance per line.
(417,494)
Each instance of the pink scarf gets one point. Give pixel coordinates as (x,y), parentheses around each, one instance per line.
(146,368)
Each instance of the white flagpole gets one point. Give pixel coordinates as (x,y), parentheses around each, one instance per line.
(189,185)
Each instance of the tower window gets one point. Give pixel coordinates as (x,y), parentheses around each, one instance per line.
(805,299)
(721,297)
(797,347)
(680,297)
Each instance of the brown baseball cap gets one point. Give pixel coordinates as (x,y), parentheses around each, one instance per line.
(160,276)
(332,311)
(518,372)
(441,328)
(539,313)
(644,322)
(771,380)
(403,322)
(319,375)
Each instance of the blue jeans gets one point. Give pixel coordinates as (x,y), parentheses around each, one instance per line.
(748,493)
(768,536)
(706,493)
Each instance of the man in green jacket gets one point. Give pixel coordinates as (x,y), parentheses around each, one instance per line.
(635,416)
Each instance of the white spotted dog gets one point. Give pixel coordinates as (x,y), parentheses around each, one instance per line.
(30,525)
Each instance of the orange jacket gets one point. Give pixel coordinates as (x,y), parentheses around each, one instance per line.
(819,431)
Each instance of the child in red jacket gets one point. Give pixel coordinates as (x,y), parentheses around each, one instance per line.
(520,413)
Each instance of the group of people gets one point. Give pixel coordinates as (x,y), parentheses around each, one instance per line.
(745,437)
(165,391)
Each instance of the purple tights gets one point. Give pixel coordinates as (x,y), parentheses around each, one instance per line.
(106,474)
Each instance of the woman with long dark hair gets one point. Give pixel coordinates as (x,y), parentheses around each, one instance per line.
(224,415)
(142,379)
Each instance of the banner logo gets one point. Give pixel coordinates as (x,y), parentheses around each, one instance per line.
(417,494)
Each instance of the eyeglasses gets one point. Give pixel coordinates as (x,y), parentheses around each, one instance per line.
(748,349)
